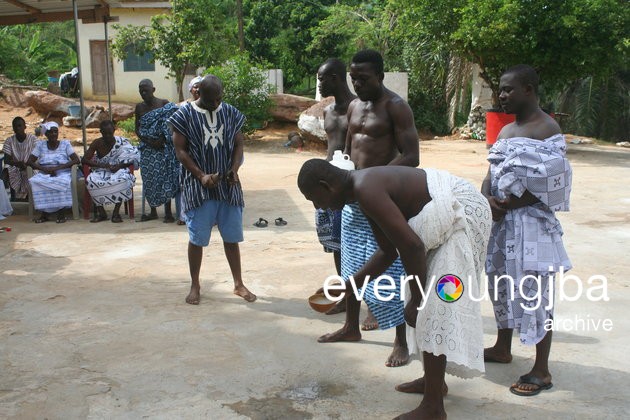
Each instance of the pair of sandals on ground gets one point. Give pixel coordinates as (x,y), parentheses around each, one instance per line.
(263,223)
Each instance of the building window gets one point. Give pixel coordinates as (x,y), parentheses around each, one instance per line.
(135,62)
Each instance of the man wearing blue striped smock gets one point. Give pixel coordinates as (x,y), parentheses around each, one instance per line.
(381,132)
(209,144)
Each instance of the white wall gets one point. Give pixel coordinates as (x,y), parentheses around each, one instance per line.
(481,92)
(126,83)
(397,82)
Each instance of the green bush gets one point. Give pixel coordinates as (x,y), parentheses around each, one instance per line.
(128,129)
(245,87)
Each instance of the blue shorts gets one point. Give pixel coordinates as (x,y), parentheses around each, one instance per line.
(228,218)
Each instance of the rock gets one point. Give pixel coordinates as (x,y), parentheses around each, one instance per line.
(311,121)
(122,112)
(623,144)
(49,104)
(312,128)
(14,95)
(71,121)
(289,107)
(96,117)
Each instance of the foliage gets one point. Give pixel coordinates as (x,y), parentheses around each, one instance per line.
(195,33)
(128,128)
(29,51)
(348,29)
(564,39)
(279,32)
(598,107)
(245,87)
(391,30)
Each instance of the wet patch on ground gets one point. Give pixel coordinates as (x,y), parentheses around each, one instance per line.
(288,404)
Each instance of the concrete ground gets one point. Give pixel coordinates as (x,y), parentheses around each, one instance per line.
(94,323)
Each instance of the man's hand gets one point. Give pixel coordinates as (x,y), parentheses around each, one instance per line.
(411,312)
(210,180)
(498,208)
(157,144)
(232,177)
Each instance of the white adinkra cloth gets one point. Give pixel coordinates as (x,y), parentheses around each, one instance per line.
(454,227)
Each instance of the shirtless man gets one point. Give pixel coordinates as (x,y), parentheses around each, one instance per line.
(408,211)
(381,132)
(531,153)
(332,82)
(159,167)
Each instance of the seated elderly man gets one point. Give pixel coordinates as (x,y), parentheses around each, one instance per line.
(439,225)
(111,181)
(51,186)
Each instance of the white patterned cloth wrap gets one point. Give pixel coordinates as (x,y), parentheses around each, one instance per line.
(527,241)
(106,187)
(52,193)
(357,247)
(20,152)
(454,227)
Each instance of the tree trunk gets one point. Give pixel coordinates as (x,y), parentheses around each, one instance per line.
(493,86)
(179,79)
(241,36)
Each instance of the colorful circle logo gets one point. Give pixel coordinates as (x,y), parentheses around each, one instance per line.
(449,288)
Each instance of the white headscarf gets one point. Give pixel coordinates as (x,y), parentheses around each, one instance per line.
(193,81)
(47,126)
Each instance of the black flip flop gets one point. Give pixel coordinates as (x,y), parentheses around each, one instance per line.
(280,222)
(530,380)
(261,223)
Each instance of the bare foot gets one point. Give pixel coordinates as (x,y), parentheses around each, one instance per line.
(369,323)
(243,292)
(417,387)
(338,308)
(193,296)
(494,355)
(340,335)
(399,357)
(424,412)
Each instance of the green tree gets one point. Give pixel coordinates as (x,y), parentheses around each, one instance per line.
(348,29)
(279,32)
(563,39)
(196,33)
(29,51)
(393,31)
(245,87)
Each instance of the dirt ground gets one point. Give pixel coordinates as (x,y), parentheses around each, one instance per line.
(94,323)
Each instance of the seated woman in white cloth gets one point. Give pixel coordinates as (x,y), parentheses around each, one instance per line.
(111,181)
(51,186)
(439,224)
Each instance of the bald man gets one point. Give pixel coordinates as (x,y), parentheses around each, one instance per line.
(160,169)
(438,224)
(209,145)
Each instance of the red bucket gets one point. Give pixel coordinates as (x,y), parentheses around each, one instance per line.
(495,121)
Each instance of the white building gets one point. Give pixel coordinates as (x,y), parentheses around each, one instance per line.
(124,75)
